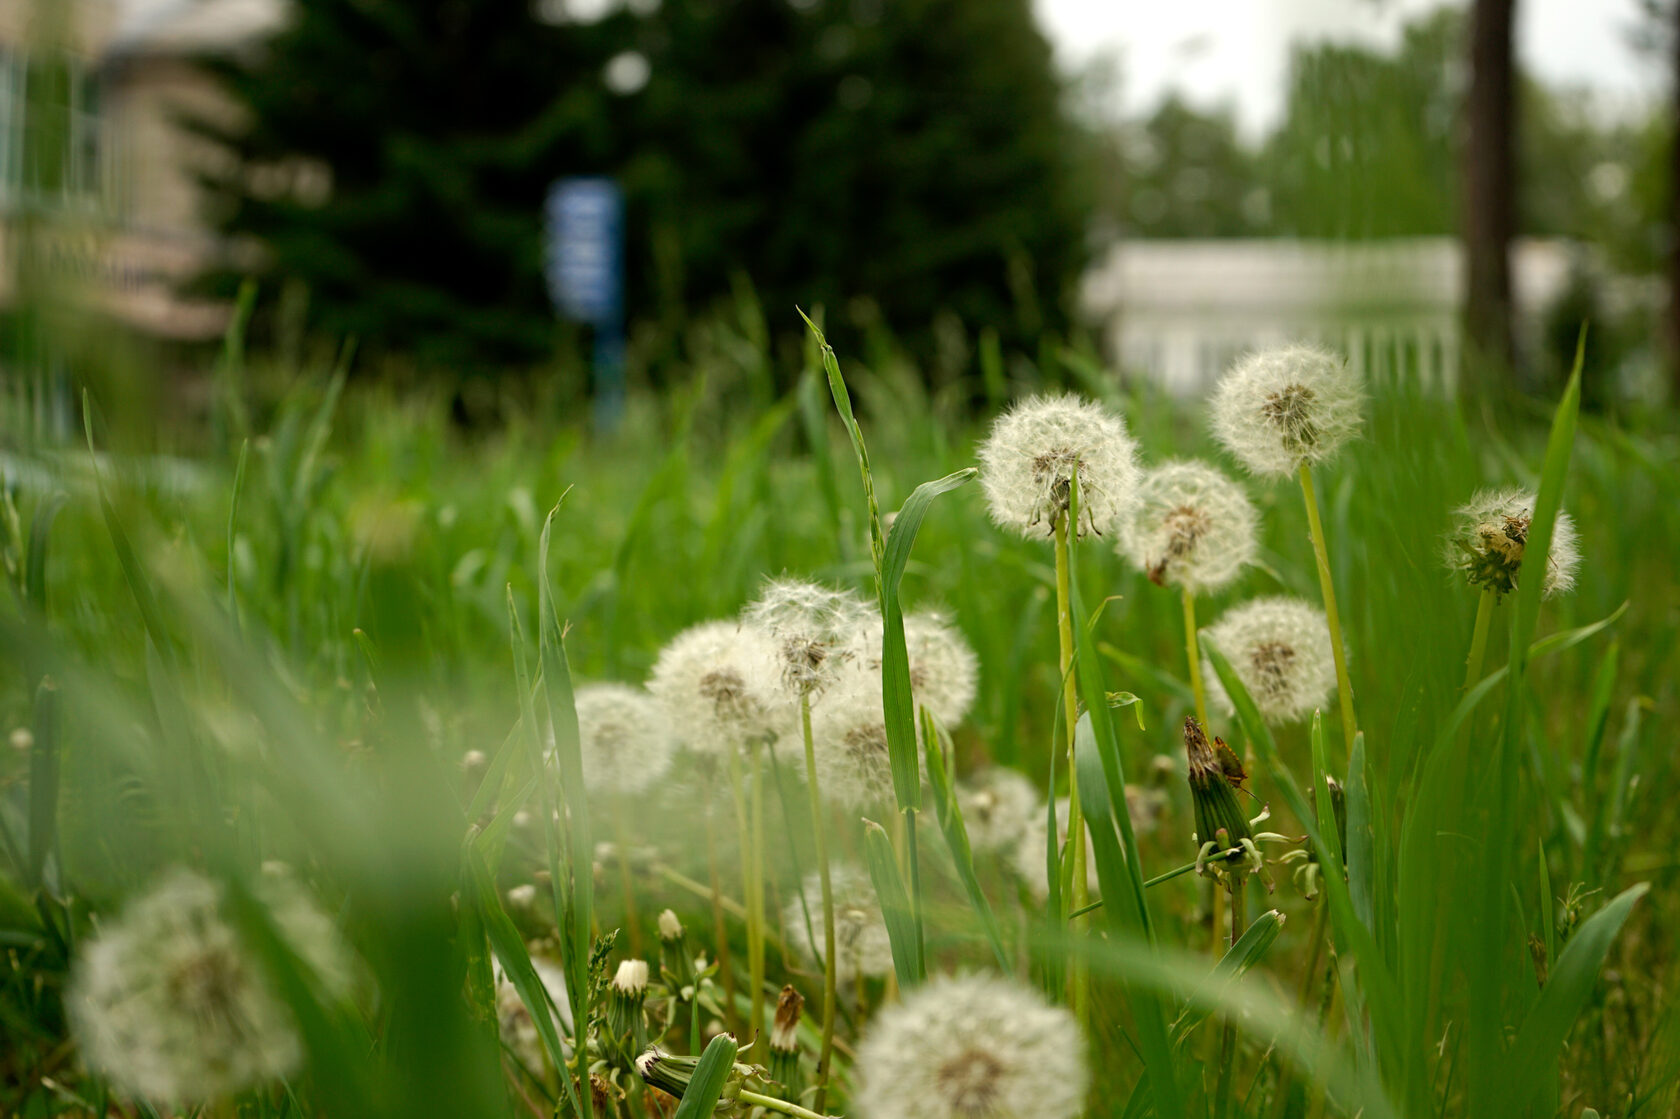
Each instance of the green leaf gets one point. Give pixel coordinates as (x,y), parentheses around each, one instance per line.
(895,906)
(716,1065)
(949,813)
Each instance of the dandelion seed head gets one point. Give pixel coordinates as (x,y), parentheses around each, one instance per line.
(624,737)
(1279,408)
(719,684)
(670,928)
(849,742)
(168,1003)
(999,807)
(944,671)
(1490,534)
(1279,647)
(1192,527)
(1034,449)
(861,946)
(812,627)
(975,1047)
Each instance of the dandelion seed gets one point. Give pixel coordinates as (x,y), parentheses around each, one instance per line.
(624,737)
(719,685)
(861,946)
(999,807)
(972,1048)
(1277,409)
(849,738)
(943,668)
(168,1003)
(813,628)
(1036,447)
(1192,527)
(1280,649)
(1490,533)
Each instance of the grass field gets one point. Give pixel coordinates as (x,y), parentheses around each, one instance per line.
(327,640)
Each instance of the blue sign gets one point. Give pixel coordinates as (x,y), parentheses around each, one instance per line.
(584,262)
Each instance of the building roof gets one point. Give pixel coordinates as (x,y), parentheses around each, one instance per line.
(181,26)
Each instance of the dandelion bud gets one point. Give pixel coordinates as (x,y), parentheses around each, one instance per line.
(1279,409)
(671,1074)
(998,809)
(674,958)
(967,1047)
(1221,826)
(625,996)
(1280,649)
(861,945)
(474,762)
(669,927)
(1035,449)
(1192,527)
(22,740)
(624,738)
(813,627)
(522,896)
(1490,534)
(784,1044)
(719,684)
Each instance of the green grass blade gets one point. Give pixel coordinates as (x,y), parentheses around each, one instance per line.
(1237,961)
(716,1065)
(43,781)
(35,564)
(908,964)
(949,814)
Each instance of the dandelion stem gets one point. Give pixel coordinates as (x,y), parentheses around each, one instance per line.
(628,879)
(1078,976)
(756,899)
(820,837)
(770,1103)
(1285,1084)
(743,830)
(1331,614)
(720,931)
(1193,651)
(1478,640)
(1228,1036)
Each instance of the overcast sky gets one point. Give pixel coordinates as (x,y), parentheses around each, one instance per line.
(1236,52)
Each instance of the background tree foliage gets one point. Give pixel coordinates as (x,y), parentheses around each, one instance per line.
(912,152)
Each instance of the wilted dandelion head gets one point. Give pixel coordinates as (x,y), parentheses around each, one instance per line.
(624,736)
(999,807)
(944,671)
(811,626)
(1031,851)
(1035,448)
(849,741)
(719,685)
(975,1047)
(1280,649)
(1490,533)
(168,1002)
(861,946)
(1277,409)
(1192,527)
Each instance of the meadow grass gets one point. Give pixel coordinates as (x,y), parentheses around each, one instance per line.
(337,633)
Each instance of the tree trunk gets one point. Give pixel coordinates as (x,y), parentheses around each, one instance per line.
(1489,169)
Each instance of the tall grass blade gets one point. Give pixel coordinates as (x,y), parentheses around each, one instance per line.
(908,964)
(949,814)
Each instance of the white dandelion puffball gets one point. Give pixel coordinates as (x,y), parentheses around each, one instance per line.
(624,738)
(849,742)
(513,1018)
(168,1003)
(719,684)
(1192,527)
(1277,409)
(999,807)
(1490,533)
(1030,853)
(813,627)
(1280,649)
(1033,450)
(861,946)
(975,1047)
(944,671)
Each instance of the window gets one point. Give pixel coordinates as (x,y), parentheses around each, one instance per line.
(52,137)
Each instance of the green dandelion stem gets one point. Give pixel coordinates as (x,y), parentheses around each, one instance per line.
(1322,554)
(1078,972)
(1228,1035)
(820,837)
(756,963)
(1479,639)
(1193,652)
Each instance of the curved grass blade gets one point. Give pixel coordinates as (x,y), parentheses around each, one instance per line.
(701,1096)
(908,964)
(949,814)
(1237,961)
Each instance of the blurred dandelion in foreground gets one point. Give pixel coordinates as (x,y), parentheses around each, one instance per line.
(943,668)
(169,1003)
(1193,527)
(812,627)
(972,1048)
(1490,533)
(1279,648)
(999,807)
(624,737)
(1279,409)
(861,946)
(1037,446)
(719,685)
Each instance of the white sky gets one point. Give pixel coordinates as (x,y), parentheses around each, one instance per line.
(1236,52)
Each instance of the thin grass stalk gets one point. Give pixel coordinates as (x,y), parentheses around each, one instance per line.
(820,841)
(720,931)
(755,906)
(1079,972)
(1479,639)
(1228,1035)
(627,880)
(1328,587)
(1193,652)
